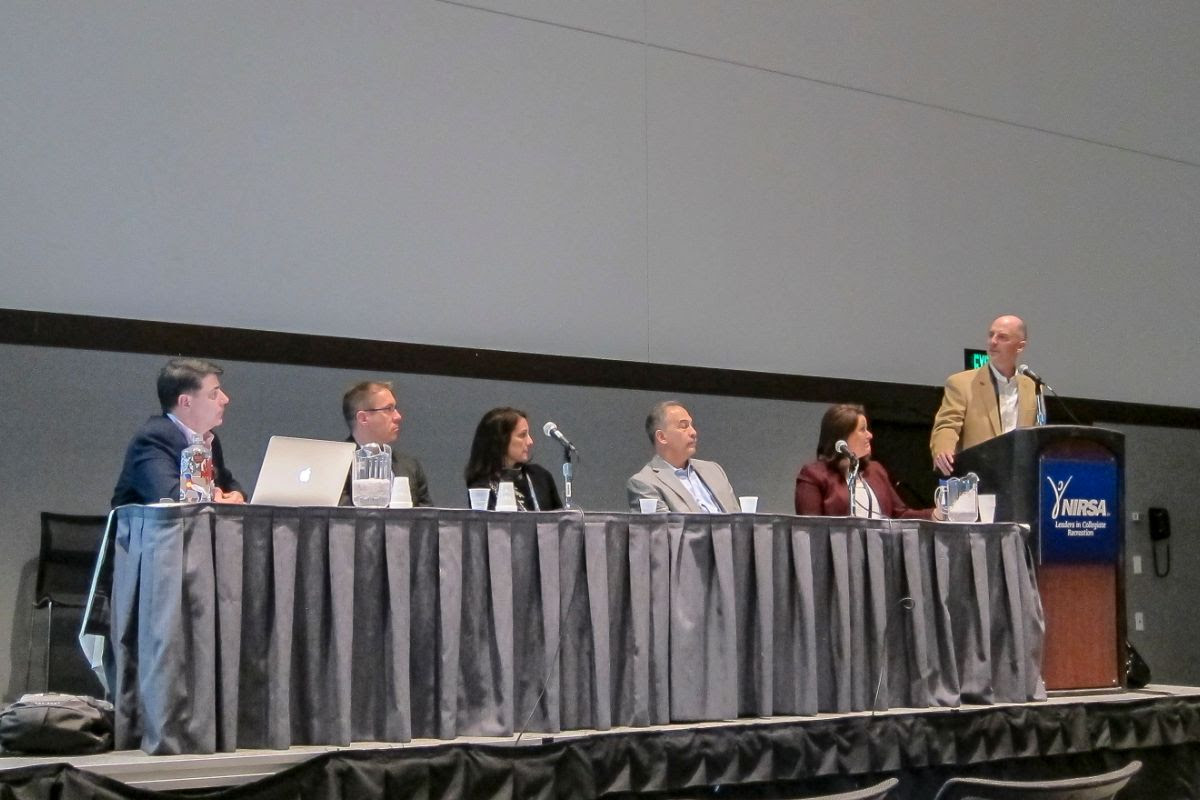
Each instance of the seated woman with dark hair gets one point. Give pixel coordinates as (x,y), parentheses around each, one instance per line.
(822,487)
(500,452)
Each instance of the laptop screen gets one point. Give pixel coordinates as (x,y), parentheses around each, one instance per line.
(303,472)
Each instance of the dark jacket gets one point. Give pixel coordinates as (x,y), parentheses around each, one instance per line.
(543,485)
(151,469)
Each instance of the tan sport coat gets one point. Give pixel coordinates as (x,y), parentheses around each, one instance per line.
(970,413)
(657,479)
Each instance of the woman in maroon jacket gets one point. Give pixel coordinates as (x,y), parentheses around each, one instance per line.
(822,486)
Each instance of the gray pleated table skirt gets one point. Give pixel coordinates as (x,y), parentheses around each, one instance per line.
(266,627)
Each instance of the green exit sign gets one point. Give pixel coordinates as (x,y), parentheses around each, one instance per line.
(974,359)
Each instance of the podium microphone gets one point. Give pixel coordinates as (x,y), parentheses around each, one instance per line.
(1033,376)
(551,430)
(844,449)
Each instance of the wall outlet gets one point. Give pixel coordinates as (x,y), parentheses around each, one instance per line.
(1137,565)
(1139,621)
(1136,516)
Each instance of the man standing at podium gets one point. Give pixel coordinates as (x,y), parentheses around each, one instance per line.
(983,403)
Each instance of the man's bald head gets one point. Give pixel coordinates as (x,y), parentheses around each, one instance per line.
(1006,341)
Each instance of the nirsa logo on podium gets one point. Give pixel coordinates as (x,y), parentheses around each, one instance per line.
(1075,506)
(1078,509)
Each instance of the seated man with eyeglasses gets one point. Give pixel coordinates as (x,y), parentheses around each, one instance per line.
(371,414)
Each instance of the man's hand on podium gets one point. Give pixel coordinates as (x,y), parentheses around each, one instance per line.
(944,462)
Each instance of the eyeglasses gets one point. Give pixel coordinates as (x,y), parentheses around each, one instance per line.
(390,408)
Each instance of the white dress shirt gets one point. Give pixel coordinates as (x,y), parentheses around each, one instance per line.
(1006,397)
(865,503)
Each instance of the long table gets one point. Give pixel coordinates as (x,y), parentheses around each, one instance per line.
(266,627)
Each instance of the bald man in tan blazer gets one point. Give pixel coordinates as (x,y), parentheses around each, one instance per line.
(970,411)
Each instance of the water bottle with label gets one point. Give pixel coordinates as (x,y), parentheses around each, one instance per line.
(196,473)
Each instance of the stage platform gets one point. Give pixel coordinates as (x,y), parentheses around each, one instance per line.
(1064,735)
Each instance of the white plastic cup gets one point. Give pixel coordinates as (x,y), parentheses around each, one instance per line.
(401,493)
(479,498)
(649,504)
(506,497)
(749,504)
(987,508)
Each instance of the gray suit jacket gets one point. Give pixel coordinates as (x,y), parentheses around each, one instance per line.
(657,479)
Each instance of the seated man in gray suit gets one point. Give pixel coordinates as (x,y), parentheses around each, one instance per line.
(678,481)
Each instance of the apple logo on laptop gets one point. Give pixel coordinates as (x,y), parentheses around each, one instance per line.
(305,474)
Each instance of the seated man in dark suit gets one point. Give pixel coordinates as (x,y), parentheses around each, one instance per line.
(678,481)
(370,411)
(193,403)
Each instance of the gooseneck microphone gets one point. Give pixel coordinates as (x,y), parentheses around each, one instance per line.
(1040,387)
(1033,376)
(844,449)
(1024,369)
(551,430)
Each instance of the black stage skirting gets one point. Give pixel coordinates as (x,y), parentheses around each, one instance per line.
(746,759)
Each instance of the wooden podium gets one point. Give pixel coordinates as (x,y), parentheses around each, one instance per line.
(1067,482)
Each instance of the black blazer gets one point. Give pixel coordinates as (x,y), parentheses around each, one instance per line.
(151,468)
(543,486)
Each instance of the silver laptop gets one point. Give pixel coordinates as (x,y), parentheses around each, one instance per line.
(303,472)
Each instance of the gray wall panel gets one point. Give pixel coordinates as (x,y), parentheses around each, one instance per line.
(1111,71)
(529,176)
(1161,471)
(472,178)
(798,228)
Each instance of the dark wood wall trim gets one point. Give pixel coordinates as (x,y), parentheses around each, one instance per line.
(894,402)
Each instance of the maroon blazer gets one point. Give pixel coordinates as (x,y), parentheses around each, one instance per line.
(821,491)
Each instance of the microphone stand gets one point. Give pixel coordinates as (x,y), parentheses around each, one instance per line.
(568,472)
(850,484)
(1042,388)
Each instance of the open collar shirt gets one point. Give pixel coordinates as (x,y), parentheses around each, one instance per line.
(700,491)
(1006,399)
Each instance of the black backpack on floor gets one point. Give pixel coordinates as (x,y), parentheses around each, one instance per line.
(57,724)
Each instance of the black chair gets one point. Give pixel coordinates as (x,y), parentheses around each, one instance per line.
(66,562)
(876,792)
(1094,787)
